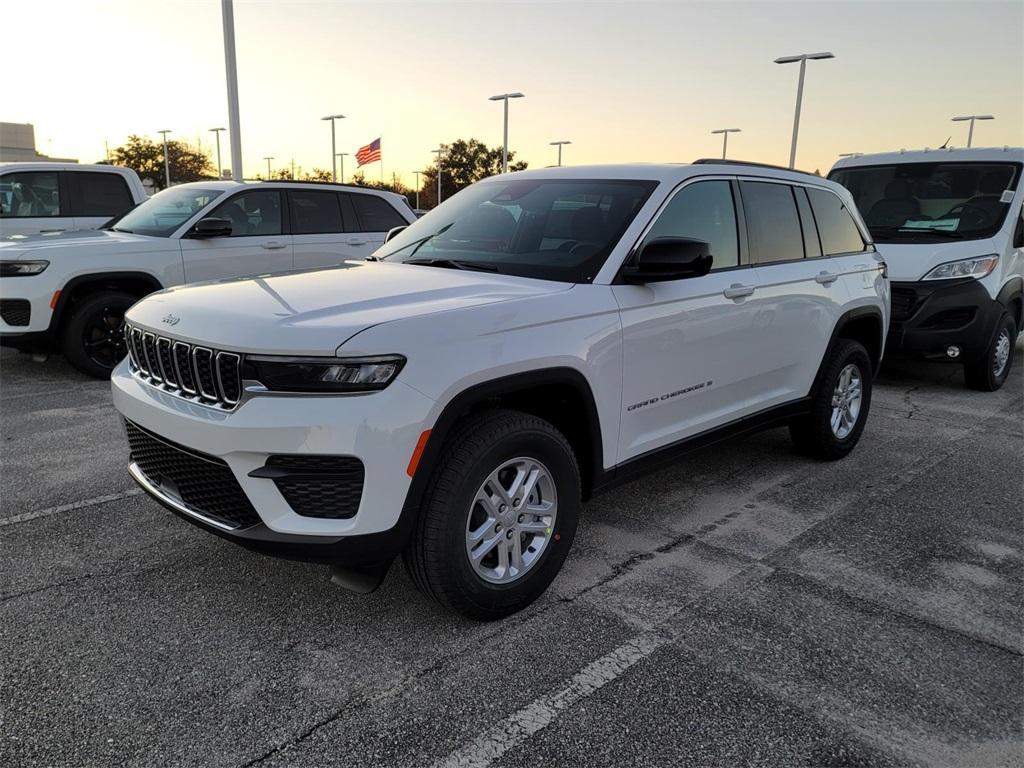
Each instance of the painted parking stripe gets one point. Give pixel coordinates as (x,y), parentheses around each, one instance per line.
(69,507)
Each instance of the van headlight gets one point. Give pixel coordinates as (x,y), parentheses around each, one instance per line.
(323,374)
(976,267)
(22,268)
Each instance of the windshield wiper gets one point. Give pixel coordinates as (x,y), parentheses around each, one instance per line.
(475,266)
(887,231)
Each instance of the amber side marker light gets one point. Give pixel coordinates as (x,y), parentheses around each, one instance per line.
(55,299)
(417,453)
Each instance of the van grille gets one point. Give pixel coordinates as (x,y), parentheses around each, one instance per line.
(211,376)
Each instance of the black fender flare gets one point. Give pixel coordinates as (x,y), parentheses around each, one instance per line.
(1013,289)
(857,313)
(99,278)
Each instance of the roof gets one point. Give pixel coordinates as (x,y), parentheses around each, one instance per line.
(668,172)
(229,184)
(950,155)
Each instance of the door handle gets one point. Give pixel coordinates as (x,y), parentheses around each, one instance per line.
(737,291)
(825,278)
(355,242)
(50,231)
(273,245)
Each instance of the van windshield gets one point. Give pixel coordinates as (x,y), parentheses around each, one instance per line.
(551,229)
(909,202)
(165,211)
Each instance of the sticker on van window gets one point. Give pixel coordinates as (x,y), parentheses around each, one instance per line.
(1007,196)
(944,224)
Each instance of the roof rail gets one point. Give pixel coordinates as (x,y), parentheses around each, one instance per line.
(322,183)
(719,161)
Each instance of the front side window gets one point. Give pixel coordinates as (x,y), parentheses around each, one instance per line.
(29,194)
(314,212)
(252,214)
(375,214)
(838,231)
(99,194)
(703,211)
(773,224)
(908,202)
(551,229)
(165,211)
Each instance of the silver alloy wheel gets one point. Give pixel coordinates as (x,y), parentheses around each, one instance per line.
(511,520)
(846,401)
(1002,355)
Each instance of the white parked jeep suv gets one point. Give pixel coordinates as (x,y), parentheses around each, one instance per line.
(535,339)
(68,291)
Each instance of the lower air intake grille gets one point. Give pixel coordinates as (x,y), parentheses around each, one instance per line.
(904,302)
(15,311)
(326,487)
(204,483)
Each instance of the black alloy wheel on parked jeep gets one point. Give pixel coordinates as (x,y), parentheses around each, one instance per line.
(93,339)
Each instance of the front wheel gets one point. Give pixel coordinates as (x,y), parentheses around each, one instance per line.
(839,404)
(93,338)
(990,371)
(499,516)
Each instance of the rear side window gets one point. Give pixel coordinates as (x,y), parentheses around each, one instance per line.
(375,214)
(703,211)
(252,213)
(98,194)
(839,233)
(812,245)
(773,225)
(29,194)
(315,213)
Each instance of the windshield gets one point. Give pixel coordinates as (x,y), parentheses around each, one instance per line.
(931,201)
(165,211)
(552,229)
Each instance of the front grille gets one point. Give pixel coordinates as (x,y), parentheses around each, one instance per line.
(204,483)
(15,311)
(213,377)
(904,301)
(326,487)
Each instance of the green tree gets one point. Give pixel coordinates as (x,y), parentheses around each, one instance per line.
(317,174)
(464,162)
(146,158)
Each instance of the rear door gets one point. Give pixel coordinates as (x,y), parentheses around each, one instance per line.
(97,197)
(258,244)
(34,201)
(319,236)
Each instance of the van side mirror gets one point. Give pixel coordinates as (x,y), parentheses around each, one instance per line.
(395,231)
(211,228)
(669,258)
(1018,234)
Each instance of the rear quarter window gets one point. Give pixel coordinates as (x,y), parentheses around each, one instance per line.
(98,194)
(836,227)
(376,214)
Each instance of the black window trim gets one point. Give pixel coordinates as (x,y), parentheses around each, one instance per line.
(63,195)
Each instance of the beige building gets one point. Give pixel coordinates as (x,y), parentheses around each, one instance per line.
(18,144)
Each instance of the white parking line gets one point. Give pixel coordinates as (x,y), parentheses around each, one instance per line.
(69,507)
(541,712)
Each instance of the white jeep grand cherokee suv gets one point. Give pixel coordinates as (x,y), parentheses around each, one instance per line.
(535,339)
(68,291)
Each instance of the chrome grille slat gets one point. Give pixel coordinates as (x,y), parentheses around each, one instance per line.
(140,356)
(183,366)
(163,356)
(149,350)
(228,367)
(206,380)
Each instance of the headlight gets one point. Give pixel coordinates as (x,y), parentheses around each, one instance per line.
(323,374)
(978,267)
(21,268)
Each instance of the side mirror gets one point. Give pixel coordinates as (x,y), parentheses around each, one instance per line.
(211,228)
(395,231)
(669,258)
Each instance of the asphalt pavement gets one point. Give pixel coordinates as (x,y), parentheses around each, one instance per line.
(746,606)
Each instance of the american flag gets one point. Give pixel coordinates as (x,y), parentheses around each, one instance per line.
(369,154)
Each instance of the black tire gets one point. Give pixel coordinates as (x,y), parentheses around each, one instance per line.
(982,374)
(813,434)
(93,338)
(437,559)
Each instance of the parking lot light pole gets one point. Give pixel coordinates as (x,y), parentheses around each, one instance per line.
(220,168)
(341,156)
(231,75)
(725,137)
(439,152)
(559,144)
(972,118)
(504,146)
(167,163)
(334,148)
(417,175)
(268,159)
(802,58)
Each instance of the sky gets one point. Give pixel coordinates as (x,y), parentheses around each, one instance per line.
(634,81)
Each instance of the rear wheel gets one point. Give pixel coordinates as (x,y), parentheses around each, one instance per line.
(93,338)
(990,371)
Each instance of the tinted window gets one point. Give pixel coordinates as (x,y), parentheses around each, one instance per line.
(375,214)
(773,225)
(703,211)
(839,233)
(99,194)
(165,211)
(252,213)
(24,195)
(315,212)
(348,212)
(812,245)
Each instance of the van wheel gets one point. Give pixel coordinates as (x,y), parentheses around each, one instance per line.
(498,517)
(93,339)
(990,371)
(839,405)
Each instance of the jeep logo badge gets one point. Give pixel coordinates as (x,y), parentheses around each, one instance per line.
(171,319)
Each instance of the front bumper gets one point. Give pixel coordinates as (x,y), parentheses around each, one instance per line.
(380,429)
(930,316)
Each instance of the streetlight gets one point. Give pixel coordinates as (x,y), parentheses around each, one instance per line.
(559,145)
(972,118)
(439,152)
(417,175)
(268,159)
(220,168)
(334,149)
(167,164)
(725,137)
(231,77)
(504,147)
(342,155)
(802,58)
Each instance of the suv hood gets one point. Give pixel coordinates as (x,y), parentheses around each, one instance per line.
(912,261)
(14,247)
(313,313)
